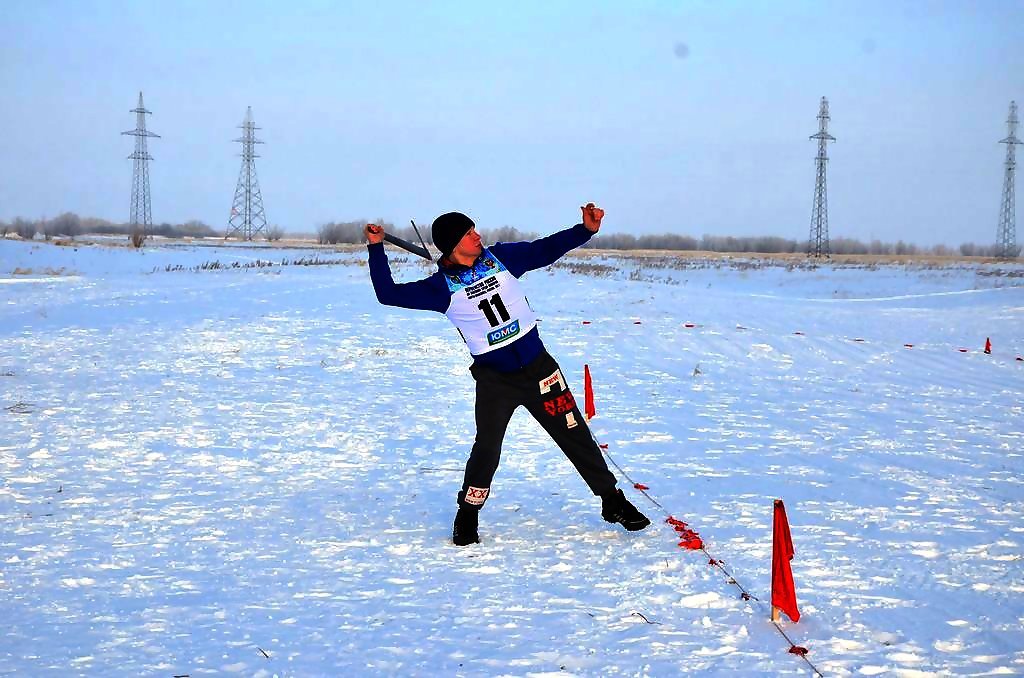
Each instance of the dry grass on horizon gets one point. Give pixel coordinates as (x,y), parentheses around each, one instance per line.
(788,259)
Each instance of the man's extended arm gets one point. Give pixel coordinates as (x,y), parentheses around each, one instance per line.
(520,257)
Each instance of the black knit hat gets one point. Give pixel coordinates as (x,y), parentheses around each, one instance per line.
(448,229)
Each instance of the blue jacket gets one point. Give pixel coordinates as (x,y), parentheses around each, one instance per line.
(431,293)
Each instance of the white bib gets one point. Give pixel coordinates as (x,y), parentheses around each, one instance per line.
(488,306)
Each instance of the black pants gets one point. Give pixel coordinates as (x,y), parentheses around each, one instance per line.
(542,390)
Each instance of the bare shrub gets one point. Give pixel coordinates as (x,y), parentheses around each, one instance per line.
(333,233)
(194,228)
(68,224)
(25,229)
(506,234)
(969,249)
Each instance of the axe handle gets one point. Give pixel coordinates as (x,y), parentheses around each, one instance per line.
(408,246)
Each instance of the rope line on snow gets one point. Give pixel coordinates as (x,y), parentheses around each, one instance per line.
(693,542)
(857,340)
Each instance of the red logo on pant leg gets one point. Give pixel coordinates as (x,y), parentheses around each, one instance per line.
(477,495)
(560,405)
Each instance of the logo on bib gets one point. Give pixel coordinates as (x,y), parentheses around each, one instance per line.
(503,333)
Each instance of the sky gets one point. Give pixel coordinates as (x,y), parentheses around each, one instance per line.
(676,117)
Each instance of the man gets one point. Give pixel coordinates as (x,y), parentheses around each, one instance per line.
(478,289)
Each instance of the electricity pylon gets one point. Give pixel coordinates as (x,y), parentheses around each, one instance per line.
(1006,234)
(817,245)
(141,217)
(247,218)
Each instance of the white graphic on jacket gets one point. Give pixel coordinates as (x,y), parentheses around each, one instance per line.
(488,305)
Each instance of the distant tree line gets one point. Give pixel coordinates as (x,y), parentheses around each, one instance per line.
(70,225)
(777,245)
(352,232)
(340,232)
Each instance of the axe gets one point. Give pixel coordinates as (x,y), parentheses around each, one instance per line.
(420,250)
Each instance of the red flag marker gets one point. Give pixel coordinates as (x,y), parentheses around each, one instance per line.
(588,394)
(690,539)
(988,345)
(783,589)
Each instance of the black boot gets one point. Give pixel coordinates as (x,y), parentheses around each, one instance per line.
(615,508)
(464,532)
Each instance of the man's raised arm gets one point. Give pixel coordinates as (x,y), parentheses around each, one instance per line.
(520,257)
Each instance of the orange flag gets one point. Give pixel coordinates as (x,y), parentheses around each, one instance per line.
(783,589)
(588,394)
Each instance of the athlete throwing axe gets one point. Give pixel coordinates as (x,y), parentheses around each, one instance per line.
(478,289)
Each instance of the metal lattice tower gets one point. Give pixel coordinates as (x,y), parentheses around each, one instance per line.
(817,245)
(1006,235)
(141,216)
(247,217)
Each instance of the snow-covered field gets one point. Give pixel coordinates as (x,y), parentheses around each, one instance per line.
(252,471)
